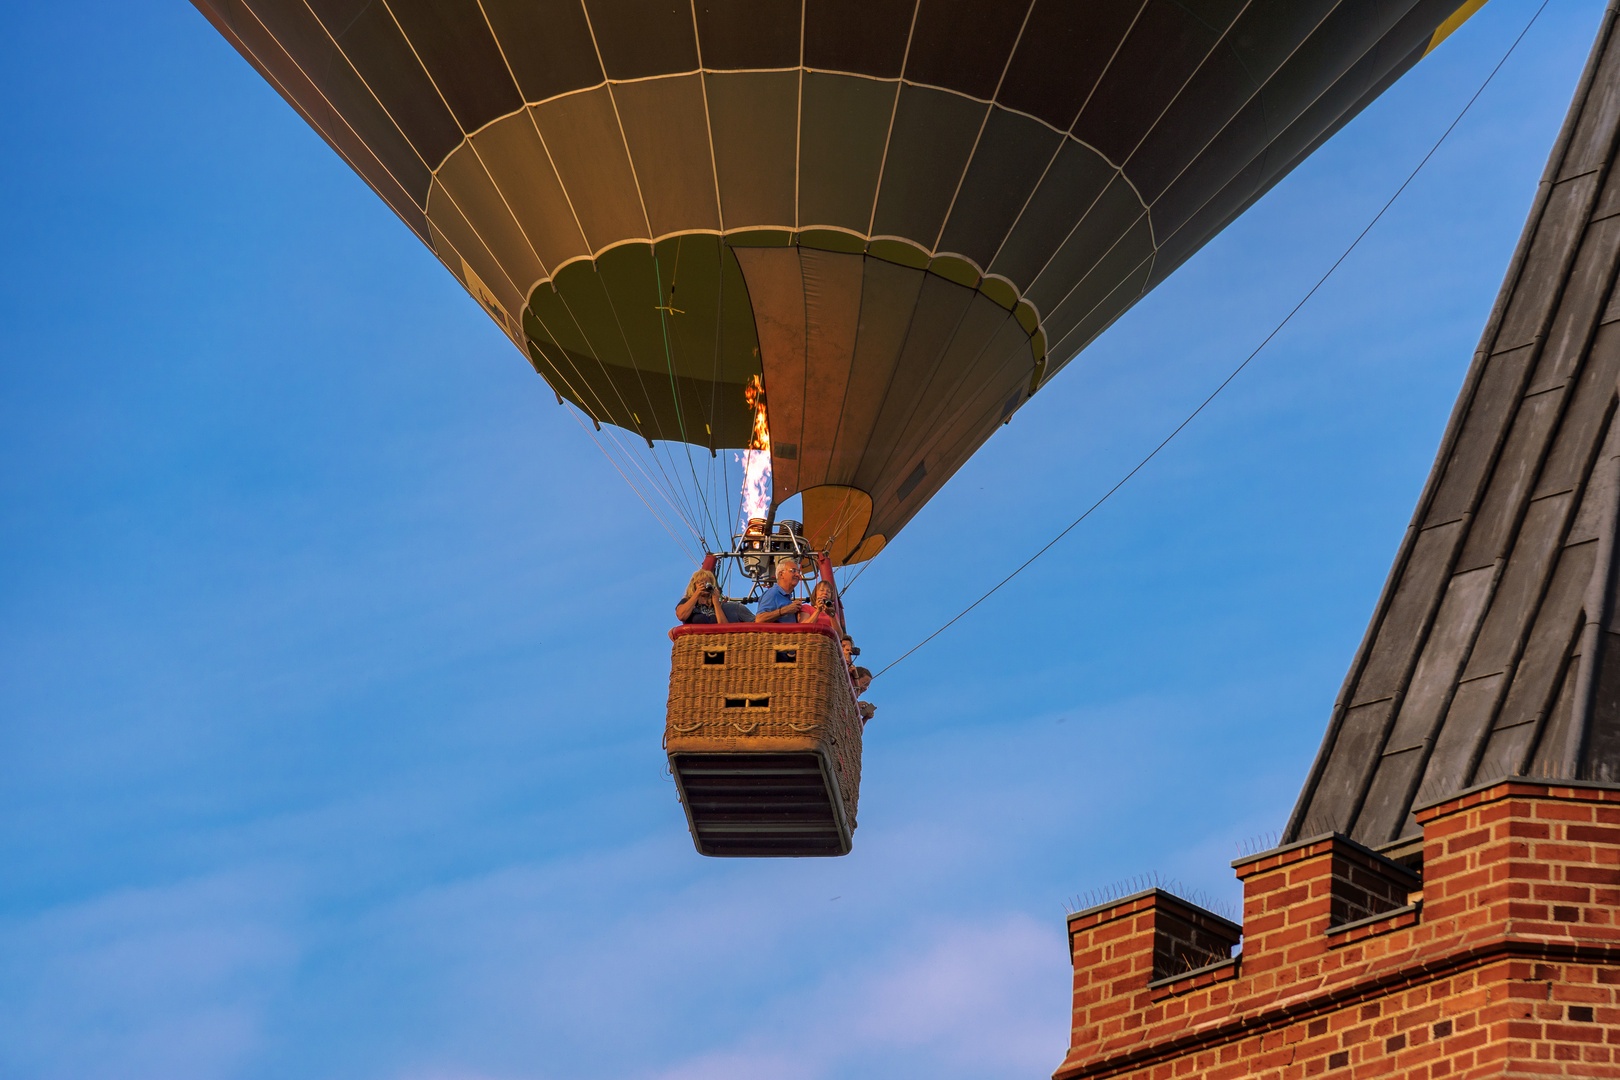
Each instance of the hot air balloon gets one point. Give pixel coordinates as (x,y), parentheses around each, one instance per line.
(901,218)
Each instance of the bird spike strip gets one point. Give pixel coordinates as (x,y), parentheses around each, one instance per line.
(1152,880)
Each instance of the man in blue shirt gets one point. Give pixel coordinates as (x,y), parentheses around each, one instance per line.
(777,604)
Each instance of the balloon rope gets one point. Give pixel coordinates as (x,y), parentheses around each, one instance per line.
(684,549)
(1237,370)
(856,578)
(636,459)
(688,513)
(668,489)
(729,503)
(632,459)
(665,309)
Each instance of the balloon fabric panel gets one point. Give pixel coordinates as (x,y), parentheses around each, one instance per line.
(658,203)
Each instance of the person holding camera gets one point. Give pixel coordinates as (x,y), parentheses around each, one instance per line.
(777,603)
(863,679)
(859,677)
(823,607)
(704,604)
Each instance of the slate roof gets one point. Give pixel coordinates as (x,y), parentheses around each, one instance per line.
(1495,647)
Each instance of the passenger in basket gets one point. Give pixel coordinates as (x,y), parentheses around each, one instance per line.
(850,653)
(703,603)
(824,607)
(863,679)
(778,605)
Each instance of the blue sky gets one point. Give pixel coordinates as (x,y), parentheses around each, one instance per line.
(332,662)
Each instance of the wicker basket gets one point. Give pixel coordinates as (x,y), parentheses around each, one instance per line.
(764,739)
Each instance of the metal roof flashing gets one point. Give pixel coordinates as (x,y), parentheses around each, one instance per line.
(1549,781)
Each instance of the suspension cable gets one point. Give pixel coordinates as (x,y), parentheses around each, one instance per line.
(665,309)
(650,509)
(667,489)
(1237,370)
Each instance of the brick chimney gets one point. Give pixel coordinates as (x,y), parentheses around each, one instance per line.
(1504,960)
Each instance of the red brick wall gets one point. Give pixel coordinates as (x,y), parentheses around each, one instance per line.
(1506,964)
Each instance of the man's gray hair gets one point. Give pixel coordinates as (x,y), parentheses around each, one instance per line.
(785,561)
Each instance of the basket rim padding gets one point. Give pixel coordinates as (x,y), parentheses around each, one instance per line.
(755,628)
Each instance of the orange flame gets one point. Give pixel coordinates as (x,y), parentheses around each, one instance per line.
(754,394)
(756,492)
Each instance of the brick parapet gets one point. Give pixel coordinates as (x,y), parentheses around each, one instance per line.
(1520,886)
(1119,948)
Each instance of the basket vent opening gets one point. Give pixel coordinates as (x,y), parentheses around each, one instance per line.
(762,702)
(787,656)
(759,702)
(736,703)
(714,656)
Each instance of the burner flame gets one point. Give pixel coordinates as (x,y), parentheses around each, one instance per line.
(756,491)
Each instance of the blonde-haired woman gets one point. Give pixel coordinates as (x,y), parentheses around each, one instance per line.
(704,604)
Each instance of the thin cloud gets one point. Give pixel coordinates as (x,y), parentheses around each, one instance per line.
(171,982)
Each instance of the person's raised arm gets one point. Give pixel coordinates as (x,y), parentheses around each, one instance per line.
(822,603)
(787,577)
(683,610)
(719,603)
(778,614)
(829,607)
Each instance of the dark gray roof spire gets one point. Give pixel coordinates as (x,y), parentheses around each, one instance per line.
(1495,647)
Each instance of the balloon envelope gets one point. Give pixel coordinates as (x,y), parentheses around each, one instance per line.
(907,216)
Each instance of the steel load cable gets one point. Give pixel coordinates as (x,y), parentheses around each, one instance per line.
(1237,370)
